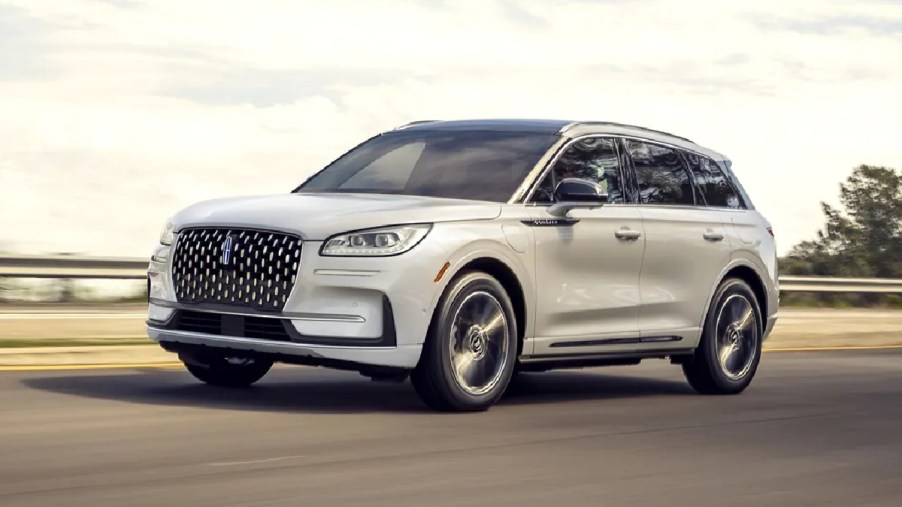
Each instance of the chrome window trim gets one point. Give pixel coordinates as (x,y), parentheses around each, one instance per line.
(560,150)
(684,164)
(549,157)
(729,178)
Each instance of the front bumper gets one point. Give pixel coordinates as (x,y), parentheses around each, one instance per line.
(372,311)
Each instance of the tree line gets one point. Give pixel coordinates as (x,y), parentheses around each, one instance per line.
(862,238)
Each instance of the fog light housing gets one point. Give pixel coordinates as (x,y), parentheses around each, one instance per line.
(157,313)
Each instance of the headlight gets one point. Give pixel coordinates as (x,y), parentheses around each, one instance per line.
(168,234)
(376,242)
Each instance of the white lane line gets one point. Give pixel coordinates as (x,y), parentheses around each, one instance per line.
(72,316)
(255,461)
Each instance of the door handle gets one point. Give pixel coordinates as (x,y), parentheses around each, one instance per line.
(712,236)
(627,234)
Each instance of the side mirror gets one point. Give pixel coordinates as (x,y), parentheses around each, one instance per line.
(573,193)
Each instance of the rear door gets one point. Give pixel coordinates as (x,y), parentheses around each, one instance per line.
(686,245)
(750,236)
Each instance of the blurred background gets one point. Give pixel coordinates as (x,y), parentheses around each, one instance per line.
(114,114)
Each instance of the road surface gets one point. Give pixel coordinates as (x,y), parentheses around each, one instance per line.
(817,428)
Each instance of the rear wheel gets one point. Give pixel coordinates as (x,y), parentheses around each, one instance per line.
(471,349)
(226,371)
(727,357)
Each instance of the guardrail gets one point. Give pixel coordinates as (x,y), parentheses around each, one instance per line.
(792,283)
(64,266)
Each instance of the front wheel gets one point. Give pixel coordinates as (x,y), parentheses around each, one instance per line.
(471,349)
(730,349)
(226,371)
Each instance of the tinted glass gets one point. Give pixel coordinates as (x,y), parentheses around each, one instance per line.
(660,174)
(593,159)
(715,188)
(474,165)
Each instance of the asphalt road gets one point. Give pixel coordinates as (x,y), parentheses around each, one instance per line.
(818,428)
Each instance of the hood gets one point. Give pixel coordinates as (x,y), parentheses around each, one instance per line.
(318,216)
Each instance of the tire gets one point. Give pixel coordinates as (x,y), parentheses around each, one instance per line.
(733,322)
(486,355)
(222,371)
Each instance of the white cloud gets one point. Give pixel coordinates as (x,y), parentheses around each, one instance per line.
(115,114)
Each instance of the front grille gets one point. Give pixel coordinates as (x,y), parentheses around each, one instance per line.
(254,269)
(261,328)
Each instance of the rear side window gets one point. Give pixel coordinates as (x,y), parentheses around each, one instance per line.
(712,182)
(660,174)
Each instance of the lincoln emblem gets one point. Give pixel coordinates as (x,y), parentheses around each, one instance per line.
(227,251)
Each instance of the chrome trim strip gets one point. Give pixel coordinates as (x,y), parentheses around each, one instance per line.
(616,341)
(539,168)
(244,227)
(314,317)
(534,183)
(253,344)
(345,272)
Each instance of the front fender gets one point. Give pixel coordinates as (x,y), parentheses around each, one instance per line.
(486,240)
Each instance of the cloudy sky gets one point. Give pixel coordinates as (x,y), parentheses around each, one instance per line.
(115,114)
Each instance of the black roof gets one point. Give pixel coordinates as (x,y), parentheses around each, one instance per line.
(511,125)
(525,125)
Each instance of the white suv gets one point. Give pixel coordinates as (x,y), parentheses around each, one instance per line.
(460,253)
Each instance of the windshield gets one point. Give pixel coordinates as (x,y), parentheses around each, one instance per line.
(477,165)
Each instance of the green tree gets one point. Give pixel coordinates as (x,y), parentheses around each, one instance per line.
(864,238)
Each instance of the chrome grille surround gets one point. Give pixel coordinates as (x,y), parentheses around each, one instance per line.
(238,267)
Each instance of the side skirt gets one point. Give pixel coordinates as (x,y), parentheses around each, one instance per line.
(554,362)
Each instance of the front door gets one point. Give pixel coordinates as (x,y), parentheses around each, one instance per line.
(587,265)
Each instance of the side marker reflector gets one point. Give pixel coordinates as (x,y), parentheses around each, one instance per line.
(441,272)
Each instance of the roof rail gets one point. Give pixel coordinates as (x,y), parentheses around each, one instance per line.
(615,124)
(411,124)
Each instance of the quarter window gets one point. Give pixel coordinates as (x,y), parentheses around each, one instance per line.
(660,174)
(593,159)
(712,182)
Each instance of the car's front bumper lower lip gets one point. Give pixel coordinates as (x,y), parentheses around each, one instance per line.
(405,356)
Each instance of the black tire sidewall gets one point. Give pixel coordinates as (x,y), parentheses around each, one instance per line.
(216,370)
(728,288)
(459,289)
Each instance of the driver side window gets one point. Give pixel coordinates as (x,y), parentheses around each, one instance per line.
(594,159)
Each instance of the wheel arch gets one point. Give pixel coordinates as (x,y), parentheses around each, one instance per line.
(749,275)
(508,279)
(497,260)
